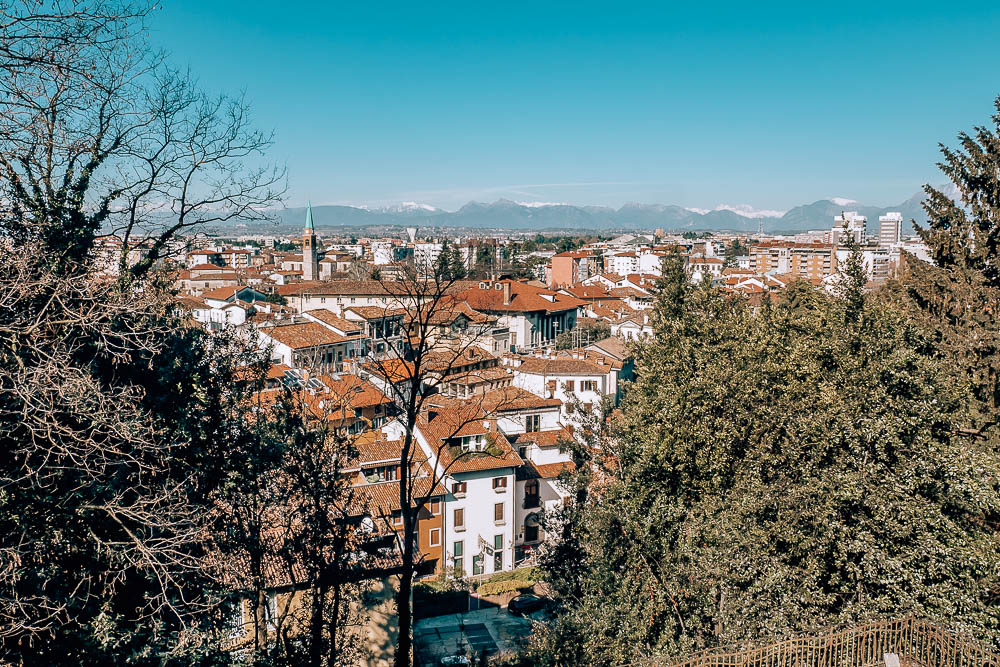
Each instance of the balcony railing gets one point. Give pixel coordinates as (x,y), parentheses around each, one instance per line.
(531,502)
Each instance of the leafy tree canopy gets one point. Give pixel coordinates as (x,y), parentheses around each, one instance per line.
(779,470)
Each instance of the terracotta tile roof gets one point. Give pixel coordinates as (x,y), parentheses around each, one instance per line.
(223,293)
(372,446)
(359,287)
(303,335)
(327,316)
(203,267)
(353,391)
(448,310)
(613,346)
(544,471)
(461,421)
(560,366)
(523,298)
(455,360)
(636,318)
(588,292)
(624,292)
(206,277)
(375,312)
(543,438)
(611,313)
(191,302)
(508,399)
(479,375)
(394,370)
(382,498)
(642,279)
(277,371)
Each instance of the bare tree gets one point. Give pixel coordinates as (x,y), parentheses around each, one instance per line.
(410,374)
(301,551)
(98,135)
(102,493)
(115,416)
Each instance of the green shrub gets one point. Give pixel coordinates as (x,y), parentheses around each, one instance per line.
(504,586)
(532,574)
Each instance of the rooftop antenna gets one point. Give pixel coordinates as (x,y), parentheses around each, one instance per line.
(760,226)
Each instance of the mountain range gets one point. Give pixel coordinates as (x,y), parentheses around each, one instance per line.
(517,216)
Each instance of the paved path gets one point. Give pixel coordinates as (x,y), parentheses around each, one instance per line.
(489,629)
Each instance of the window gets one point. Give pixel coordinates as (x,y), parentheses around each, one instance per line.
(435,506)
(534,423)
(271,612)
(457,554)
(459,519)
(397,518)
(387,473)
(499,484)
(234,618)
(588,407)
(498,513)
(435,537)
(531,533)
(588,385)
(569,385)
(522,452)
(459,489)
(531,497)
(498,553)
(477,565)
(472,443)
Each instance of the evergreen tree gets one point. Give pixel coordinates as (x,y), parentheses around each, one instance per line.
(958,297)
(779,470)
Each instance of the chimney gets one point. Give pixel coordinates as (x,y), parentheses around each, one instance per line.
(506,293)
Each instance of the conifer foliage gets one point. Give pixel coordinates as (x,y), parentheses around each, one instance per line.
(775,470)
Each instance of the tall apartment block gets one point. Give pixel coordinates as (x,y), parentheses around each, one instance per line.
(890,229)
(848,225)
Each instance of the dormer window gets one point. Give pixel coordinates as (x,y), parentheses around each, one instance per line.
(472,443)
(381,474)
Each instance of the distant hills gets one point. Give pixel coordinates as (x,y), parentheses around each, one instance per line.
(515,216)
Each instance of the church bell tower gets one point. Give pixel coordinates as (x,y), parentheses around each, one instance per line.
(310,257)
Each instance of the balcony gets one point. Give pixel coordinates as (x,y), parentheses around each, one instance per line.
(531,502)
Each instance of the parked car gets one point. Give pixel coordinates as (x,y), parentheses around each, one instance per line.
(457,660)
(525,604)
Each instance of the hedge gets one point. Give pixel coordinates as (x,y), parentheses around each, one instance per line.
(504,586)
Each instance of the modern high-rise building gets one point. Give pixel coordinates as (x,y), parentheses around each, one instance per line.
(848,225)
(890,229)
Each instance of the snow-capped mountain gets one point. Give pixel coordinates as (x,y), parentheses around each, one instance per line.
(512,215)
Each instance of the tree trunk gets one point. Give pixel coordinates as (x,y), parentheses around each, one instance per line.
(316,629)
(334,625)
(403,645)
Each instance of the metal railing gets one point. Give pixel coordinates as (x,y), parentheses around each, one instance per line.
(917,642)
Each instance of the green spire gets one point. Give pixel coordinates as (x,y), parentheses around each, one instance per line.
(309,216)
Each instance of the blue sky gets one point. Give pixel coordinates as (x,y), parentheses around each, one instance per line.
(700,104)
